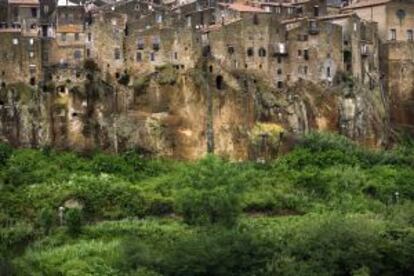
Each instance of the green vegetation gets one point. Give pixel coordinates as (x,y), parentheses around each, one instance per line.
(328,207)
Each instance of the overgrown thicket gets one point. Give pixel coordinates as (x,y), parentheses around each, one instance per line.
(327,208)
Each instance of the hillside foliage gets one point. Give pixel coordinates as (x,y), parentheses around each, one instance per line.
(329,207)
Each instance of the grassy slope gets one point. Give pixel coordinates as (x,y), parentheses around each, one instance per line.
(329,199)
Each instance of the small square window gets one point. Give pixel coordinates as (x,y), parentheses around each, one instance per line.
(77,54)
(393,34)
(280,84)
(410,35)
(138,57)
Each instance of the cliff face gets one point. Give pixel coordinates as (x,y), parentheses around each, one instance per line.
(182,114)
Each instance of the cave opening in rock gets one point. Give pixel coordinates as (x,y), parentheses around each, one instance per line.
(219,82)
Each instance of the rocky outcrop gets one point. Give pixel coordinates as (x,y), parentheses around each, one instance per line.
(182,114)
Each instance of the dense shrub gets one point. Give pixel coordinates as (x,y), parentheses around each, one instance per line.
(73,219)
(5,152)
(211,193)
(46,220)
(328,207)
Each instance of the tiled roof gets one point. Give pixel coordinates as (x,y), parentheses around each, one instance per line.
(70,29)
(243,8)
(336,16)
(24,2)
(366,3)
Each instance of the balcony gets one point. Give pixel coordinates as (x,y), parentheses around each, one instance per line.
(30,27)
(313,28)
(364,50)
(280,49)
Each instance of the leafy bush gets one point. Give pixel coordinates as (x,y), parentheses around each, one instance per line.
(73,218)
(211,193)
(46,220)
(5,152)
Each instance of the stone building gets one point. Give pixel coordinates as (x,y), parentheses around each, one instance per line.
(66,51)
(395,21)
(395,18)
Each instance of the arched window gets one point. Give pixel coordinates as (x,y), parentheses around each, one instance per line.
(262,52)
(250,52)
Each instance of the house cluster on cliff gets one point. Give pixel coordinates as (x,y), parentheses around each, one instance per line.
(284,41)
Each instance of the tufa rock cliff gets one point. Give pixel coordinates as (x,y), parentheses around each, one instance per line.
(184,114)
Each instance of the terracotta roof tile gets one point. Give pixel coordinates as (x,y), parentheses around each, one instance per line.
(24,2)
(243,8)
(70,29)
(366,3)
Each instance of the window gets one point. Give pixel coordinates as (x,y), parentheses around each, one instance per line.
(188,18)
(306,54)
(279,71)
(279,59)
(31,41)
(410,36)
(393,34)
(305,70)
(15,41)
(45,8)
(117,54)
(278,10)
(63,36)
(76,36)
(138,57)
(156,43)
(89,37)
(175,55)
(255,19)
(250,52)
(262,52)
(88,52)
(158,18)
(280,84)
(140,44)
(302,37)
(152,56)
(77,55)
(31,54)
(230,50)
(34,12)
(299,53)
(328,72)
(316,11)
